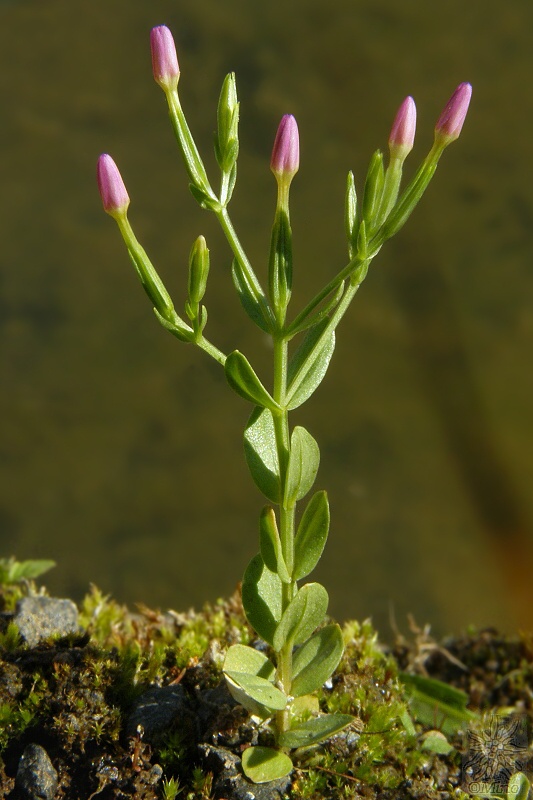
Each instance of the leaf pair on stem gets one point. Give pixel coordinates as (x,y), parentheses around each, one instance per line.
(304,649)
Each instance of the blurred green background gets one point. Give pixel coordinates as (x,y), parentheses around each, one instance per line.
(121,453)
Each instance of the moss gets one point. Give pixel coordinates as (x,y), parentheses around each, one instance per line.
(73,696)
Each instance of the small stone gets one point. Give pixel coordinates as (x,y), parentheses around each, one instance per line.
(36,777)
(38,618)
(160,708)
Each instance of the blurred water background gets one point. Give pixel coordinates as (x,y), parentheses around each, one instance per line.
(120,452)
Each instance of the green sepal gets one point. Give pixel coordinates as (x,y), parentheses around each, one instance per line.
(304,460)
(270,544)
(226,139)
(350,215)
(304,613)
(262,598)
(309,363)
(280,263)
(311,535)
(261,453)
(243,380)
(264,764)
(314,730)
(203,199)
(198,271)
(316,660)
(177,327)
(373,190)
(247,297)
(261,691)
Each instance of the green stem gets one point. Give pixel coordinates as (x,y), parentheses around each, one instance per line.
(286,516)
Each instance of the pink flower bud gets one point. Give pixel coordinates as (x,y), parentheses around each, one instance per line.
(402,135)
(286,151)
(114,196)
(164,59)
(451,120)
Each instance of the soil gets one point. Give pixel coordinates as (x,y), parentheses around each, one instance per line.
(132,704)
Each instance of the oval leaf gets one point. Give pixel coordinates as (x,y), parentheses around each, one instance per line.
(315,730)
(261,453)
(303,614)
(262,691)
(264,764)
(309,363)
(316,660)
(261,598)
(241,658)
(304,459)
(271,544)
(311,536)
(243,380)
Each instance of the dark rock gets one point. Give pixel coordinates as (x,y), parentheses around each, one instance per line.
(36,777)
(38,618)
(159,709)
(230,783)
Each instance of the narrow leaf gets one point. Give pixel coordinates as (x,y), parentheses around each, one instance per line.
(316,660)
(262,691)
(311,535)
(315,730)
(309,363)
(304,460)
(247,297)
(433,702)
(243,380)
(261,453)
(264,764)
(304,613)
(271,544)
(261,598)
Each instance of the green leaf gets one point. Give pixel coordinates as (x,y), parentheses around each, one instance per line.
(434,703)
(241,658)
(204,199)
(311,535)
(314,730)
(304,460)
(247,297)
(316,660)
(261,453)
(243,380)
(177,327)
(304,613)
(309,364)
(262,691)
(12,571)
(264,764)
(261,598)
(518,787)
(271,544)
(436,742)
